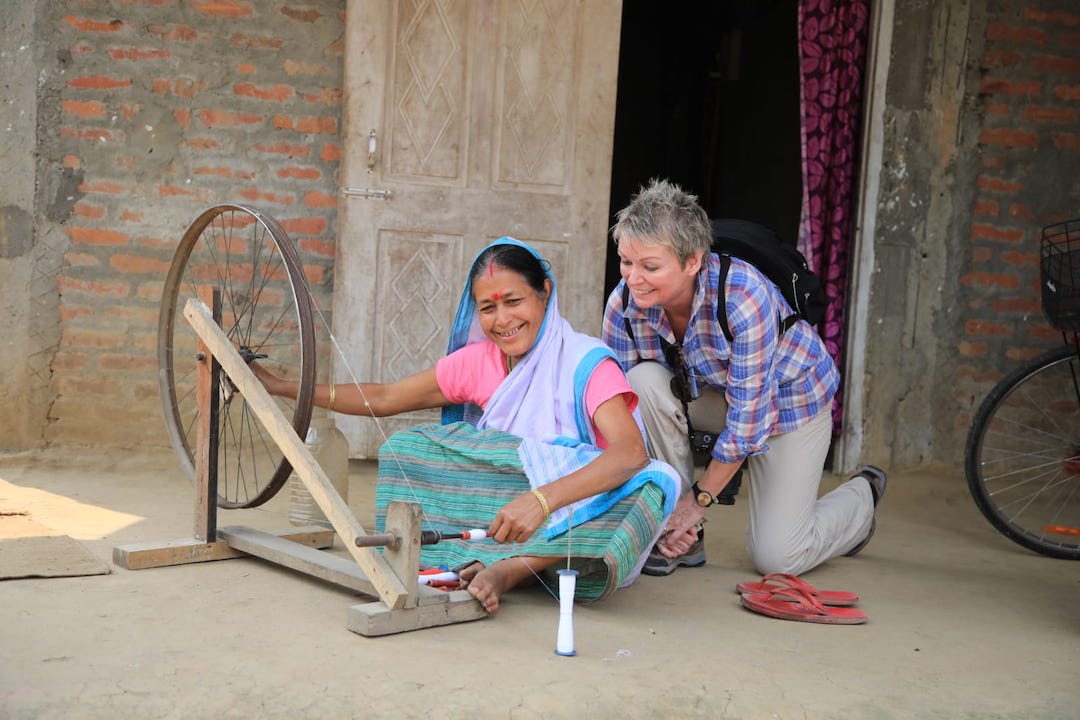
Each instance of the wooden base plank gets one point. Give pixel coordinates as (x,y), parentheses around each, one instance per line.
(374,619)
(141,556)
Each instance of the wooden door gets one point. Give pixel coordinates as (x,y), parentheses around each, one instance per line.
(465,120)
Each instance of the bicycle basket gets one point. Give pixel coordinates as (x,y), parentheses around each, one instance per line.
(1060,275)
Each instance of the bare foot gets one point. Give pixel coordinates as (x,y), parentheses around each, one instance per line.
(487,584)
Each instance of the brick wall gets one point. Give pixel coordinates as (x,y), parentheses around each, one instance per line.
(157,109)
(1029,165)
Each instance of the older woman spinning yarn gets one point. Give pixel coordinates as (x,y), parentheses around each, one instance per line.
(540,442)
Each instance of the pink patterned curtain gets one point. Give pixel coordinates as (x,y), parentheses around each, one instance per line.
(832,55)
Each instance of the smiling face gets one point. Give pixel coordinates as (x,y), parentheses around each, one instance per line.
(655,276)
(511,312)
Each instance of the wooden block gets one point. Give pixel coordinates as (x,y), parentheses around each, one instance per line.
(374,619)
(141,556)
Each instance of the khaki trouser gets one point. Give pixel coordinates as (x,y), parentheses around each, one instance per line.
(791,529)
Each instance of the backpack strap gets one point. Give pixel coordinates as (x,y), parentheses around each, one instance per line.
(783,324)
(721,297)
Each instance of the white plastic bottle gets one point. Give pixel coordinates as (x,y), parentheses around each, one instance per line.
(330,449)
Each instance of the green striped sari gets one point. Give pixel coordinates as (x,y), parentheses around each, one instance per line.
(462,477)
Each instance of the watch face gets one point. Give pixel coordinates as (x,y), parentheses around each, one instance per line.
(704,499)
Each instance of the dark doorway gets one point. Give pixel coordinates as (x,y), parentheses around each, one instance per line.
(708,98)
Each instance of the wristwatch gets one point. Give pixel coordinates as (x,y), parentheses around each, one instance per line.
(704,497)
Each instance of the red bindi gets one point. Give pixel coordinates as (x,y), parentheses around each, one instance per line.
(496,297)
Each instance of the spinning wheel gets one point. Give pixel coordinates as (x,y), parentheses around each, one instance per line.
(266,314)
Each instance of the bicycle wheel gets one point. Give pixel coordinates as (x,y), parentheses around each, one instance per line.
(1022,457)
(266,313)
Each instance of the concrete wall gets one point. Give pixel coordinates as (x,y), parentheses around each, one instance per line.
(122,120)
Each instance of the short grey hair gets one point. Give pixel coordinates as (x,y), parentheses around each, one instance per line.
(662,213)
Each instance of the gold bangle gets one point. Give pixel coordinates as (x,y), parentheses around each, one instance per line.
(330,402)
(543,503)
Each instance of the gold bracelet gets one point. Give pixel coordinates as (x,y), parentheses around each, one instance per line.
(543,503)
(330,402)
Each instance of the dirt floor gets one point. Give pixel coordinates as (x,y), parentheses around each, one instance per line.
(962,624)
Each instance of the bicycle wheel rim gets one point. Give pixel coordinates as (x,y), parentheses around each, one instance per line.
(266,308)
(1022,457)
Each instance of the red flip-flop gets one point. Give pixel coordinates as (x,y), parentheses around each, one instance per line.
(776,581)
(792,604)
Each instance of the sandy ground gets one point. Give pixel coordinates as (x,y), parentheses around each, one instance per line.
(962,624)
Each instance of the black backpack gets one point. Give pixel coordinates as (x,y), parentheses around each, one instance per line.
(782,263)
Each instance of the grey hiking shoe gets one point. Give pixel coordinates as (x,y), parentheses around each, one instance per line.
(878,480)
(660,565)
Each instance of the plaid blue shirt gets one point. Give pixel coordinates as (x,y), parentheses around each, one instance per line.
(773,383)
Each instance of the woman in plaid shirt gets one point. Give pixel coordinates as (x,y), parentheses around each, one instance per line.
(766,396)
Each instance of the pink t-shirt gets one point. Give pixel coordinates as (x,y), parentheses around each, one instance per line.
(471,375)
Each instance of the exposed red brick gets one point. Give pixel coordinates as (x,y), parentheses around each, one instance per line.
(222,8)
(96,236)
(326,96)
(1067,92)
(315,199)
(131,216)
(247,41)
(81,49)
(1009,137)
(999,59)
(972,349)
(245,68)
(88,210)
(986,208)
(1003,86)
(299,173)
(109,188)
(315,274)
(223,118)
(1020,259)
(331,152)
(1011,33)
(180,33)
(98,82)
(138,264)
(982,327)
(255,195)
(91,134)
(72,161)
(322,248)
(301,15)
(278,93)
(1066,141)
(297,67)
(984,279)
(103,26)
(65,359)
(1057,17)
(1062,116)
(126,362)
(1027,305)
(69,284)
(992,232)
(282,148)
(304,226)
(998,184)
(83,108)
(1046,63)
(306,125)
(81,259)
(996,108)
(203,143)
(136,54)
(1021,211)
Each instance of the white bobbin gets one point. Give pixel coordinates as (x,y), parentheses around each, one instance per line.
(564,641)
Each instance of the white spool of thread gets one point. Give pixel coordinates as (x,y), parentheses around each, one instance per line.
(564,641)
